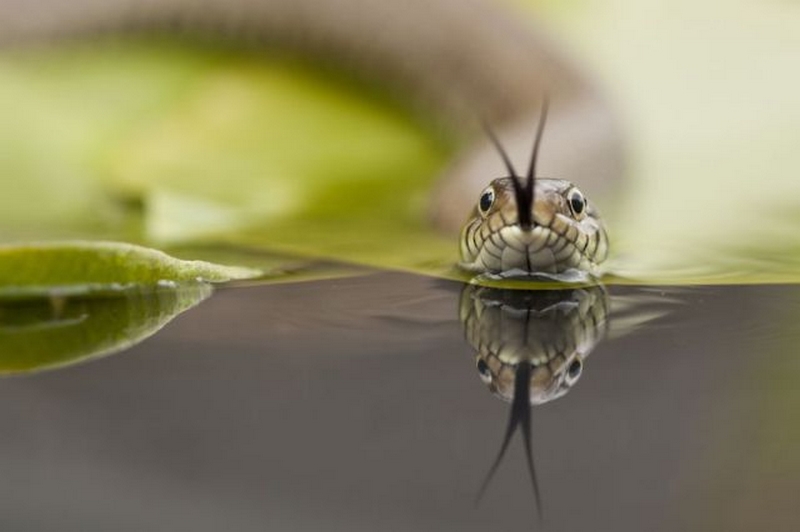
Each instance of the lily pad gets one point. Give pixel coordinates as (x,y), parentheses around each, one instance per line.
(81,267)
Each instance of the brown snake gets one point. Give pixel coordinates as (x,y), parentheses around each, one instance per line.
(540,226)
(566,232)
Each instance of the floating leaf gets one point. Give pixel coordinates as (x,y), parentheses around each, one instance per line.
(82,267)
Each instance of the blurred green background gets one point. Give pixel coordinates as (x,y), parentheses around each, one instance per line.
(183,146)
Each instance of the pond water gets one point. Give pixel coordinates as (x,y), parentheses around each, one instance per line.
(360,404)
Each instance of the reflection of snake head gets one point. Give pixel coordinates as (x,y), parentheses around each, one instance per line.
(553,331)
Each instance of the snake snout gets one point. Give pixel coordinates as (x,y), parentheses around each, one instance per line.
(526,249)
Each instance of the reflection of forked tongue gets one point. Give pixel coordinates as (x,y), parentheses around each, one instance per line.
(520,415)
(523,192)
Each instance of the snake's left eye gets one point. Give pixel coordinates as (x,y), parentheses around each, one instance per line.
(486,201)
(577,203)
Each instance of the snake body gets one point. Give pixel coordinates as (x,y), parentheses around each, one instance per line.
(452,61)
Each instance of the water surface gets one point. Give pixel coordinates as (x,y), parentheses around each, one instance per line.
(356,404)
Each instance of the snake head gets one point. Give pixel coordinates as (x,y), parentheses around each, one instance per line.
(558,231)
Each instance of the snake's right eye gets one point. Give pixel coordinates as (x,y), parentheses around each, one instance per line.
(577,203)
(486,201)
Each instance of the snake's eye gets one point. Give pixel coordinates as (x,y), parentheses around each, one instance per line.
(486,201)
(574,371)
(483,369)
(577,203)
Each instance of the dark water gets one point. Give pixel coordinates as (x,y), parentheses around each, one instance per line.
(356,405)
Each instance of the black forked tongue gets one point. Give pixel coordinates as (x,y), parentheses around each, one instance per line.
(523,192)
(520,418)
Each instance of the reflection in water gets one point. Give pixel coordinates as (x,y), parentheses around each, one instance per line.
(552,330)
(45,333)
(531,347)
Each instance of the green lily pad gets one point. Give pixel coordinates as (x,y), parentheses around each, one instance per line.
(81,267)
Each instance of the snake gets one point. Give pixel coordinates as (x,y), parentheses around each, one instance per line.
(452,63)
(565,234)
(539,226)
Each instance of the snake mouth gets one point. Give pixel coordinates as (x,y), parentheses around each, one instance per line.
(511,250)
